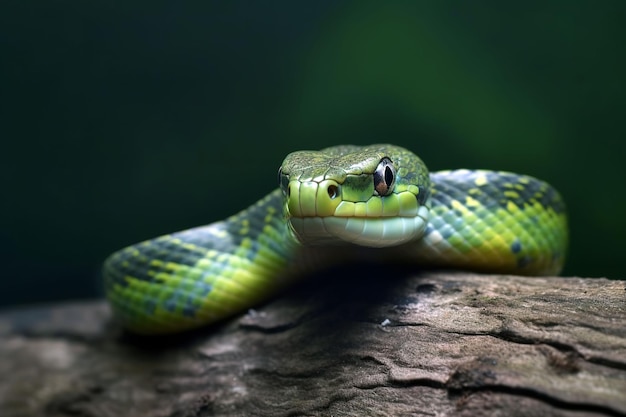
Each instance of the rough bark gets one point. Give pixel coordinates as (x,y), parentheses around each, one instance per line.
(428,344)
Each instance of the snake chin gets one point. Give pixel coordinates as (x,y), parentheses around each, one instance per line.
(375,232)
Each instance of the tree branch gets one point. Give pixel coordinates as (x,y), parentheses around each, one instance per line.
(429,344)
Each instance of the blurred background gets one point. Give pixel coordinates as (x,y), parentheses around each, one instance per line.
(122,121)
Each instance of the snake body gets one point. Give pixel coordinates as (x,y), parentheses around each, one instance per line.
(342,203)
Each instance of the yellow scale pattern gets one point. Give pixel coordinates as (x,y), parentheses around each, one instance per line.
(503,237)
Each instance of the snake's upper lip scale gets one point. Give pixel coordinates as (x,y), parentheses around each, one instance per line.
(320,199)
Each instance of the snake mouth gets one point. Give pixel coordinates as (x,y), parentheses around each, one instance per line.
(318,213)
(371,232)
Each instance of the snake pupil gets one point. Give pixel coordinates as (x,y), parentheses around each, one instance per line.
(388,177)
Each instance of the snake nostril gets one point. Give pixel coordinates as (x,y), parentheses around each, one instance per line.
(333,191)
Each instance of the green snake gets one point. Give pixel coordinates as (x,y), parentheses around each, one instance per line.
(341,204)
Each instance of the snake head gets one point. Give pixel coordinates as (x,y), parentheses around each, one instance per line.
(372,196)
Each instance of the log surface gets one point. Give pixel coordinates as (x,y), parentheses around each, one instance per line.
(434,343)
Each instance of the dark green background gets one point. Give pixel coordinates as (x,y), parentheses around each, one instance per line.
(121,122)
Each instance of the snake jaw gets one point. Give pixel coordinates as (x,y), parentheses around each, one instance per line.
(362,231)
(320,213)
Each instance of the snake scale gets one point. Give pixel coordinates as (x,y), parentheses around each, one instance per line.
(340,204)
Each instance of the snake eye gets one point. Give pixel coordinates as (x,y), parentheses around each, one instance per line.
(283,181)
(384,177)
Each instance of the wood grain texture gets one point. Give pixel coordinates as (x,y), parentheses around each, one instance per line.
(434,343)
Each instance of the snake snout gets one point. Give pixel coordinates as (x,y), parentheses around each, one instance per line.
(312,198)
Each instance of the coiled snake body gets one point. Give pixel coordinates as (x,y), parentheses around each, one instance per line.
(344,202)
